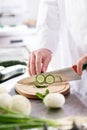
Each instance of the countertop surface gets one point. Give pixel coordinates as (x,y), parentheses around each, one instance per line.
(72,107)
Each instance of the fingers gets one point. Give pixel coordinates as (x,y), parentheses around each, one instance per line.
(79,67)
(38,61)
(80,64)
(28,66)
(31,64)
(34,64)
(45,64)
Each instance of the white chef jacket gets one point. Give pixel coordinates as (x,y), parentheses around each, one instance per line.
(62,28)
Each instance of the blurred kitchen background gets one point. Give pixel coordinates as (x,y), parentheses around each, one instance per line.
(18,11)
(18,31)
(17,27)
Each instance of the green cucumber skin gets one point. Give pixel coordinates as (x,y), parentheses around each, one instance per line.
(41,85)
(49,76)
(11,63)
(37,78)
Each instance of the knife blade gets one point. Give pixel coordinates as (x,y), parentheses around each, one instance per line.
(62,75)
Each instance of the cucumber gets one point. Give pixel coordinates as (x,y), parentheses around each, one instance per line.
(40,78)
(50,79)
(11,63)
(41,85)
(58,78)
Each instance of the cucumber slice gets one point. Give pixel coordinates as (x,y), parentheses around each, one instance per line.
(40,78)
(58,78)
(41,85)
(50,79)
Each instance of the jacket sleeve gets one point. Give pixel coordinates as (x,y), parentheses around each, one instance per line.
(47,25)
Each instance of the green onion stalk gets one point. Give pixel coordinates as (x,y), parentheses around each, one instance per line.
(10,120)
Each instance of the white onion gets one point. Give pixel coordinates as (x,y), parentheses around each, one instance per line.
(54,100)
(20,104)
(3,90)
(5,100)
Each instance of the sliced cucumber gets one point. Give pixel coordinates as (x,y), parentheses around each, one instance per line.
(50,79)
(40,78)
(58,78)
(41,85)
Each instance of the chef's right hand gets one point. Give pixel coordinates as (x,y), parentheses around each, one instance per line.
(39,61)
(80,63)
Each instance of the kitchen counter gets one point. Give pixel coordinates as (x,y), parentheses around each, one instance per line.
(72,107)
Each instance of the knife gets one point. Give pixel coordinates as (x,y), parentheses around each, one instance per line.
(61,75)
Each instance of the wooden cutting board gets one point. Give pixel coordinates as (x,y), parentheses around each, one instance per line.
(24,87)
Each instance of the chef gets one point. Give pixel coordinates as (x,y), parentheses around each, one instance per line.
(61,38)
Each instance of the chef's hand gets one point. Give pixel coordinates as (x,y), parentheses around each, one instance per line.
(80,63)
(39,61)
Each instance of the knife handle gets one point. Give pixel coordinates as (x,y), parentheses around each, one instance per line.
(84,66)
